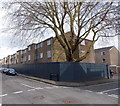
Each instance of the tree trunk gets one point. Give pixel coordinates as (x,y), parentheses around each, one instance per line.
(69,57)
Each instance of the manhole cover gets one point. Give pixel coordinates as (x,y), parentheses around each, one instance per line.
(70,102)
(39,97)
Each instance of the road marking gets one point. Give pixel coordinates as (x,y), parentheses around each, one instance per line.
(110,90)
(39,88)
(50,87)
(35,89)
(28,86)
(65,87)
(100,84)
(43,88)
(3,95)
(112,95)
(31,90)
(99,92)
(88,91)
(55,86)
(17,92)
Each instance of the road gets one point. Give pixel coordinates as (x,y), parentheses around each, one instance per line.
(20,90)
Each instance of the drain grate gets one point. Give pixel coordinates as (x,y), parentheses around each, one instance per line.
(39,97)
(70,102)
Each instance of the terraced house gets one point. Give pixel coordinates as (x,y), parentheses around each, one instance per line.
(49,50)
(107,55)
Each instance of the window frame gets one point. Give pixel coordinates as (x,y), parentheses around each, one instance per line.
(29,57)
(49,54)
(103,53)
(103,60)
(41,55)
(49,42)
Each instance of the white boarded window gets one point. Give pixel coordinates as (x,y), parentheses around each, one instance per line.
(41,55)
(49,54)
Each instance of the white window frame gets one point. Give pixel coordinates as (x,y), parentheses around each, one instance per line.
(103,53)
(41,55)
(49,42)
(82,51)
(23,51)
(29,57)
(24,59)
(37,46)
(21,59)
(49,54)
(17,60)
(103,61)
(83,42)
(29,48)
(37,56)
(41,44)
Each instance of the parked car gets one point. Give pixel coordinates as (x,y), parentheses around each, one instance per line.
(1,69)
(11,72)
(4,70)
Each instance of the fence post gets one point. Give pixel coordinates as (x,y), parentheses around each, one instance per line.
(108,71)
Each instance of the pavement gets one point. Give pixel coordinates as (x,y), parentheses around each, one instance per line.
(22,90)
(75,84)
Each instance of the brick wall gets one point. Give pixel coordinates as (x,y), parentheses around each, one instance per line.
(114,56)
(111,56)
(59,54)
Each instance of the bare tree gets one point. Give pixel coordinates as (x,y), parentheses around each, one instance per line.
(82,19)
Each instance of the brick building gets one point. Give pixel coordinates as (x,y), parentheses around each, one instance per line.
(49,50)
(107,55)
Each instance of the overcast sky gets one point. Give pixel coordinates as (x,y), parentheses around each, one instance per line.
(8,48)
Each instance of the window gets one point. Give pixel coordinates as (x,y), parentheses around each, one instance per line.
(24,59)
(37,46)
(49,54)
(21,59)
(14,62)
(82,51)
(37,56)
(17,60)
(103,60)
(29,57)
(23,51)
(29,48)
(103,53)
(83,42)
(41,55)
(49,42)
(41,44)
(17,53)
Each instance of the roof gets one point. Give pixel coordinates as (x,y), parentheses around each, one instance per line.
(105,48)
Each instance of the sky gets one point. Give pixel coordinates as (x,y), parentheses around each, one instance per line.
(7,47)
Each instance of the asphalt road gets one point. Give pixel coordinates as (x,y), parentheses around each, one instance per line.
(20,90)
(111,89)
